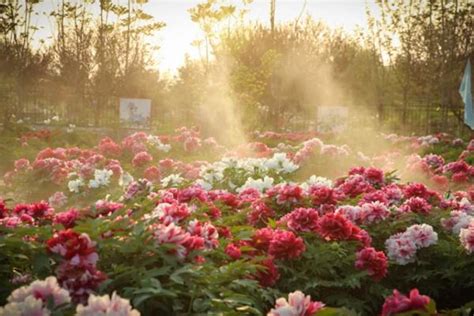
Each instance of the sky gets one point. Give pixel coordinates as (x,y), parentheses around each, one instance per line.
(176,38)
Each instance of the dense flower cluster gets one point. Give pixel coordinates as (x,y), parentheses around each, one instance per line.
(245,215)
(25,214)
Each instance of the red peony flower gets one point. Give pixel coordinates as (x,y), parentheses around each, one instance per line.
(399,303)
(375,262)
(77,248)
(259,213)
(262,237)
(286,245)
(301,220)
(67,219)
(269,274)
(233,251)
(374,176)
(335,227)
(416,205)
(321,194)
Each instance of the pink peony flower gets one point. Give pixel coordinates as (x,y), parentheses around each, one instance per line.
(141,159)
(297,305)
(207,231)
(466,236)
(401,249)
(42,290)
(22,164)
(422,235)
(374,212)
(108,147)
(152,173)
(67,219)
(172,234)
(58,199)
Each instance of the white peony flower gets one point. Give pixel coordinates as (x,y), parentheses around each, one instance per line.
(106,306)
(155,141)
(259,184)
(125,179)
(75,185)
(101,178)
(172,180)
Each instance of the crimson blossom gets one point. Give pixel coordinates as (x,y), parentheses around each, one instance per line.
(399,303)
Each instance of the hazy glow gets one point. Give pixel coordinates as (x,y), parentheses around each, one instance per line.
(176,38)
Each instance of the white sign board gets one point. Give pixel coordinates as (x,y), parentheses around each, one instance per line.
(135,111)
(332,118)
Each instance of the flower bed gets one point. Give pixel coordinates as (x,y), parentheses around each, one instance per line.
(139,226)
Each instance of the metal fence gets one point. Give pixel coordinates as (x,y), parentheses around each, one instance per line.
(36,107)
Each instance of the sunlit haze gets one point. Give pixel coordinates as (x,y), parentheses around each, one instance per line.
(175,39)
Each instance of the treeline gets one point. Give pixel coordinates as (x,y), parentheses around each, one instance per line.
(98,50)
(262,77)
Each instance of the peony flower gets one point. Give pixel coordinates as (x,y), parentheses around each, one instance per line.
(297,305)
(31,306)
(301,220)
(422,235)
(152,173)
(335,227)
(42,290)
(233,251)
(67,219)
(172,234)
(375,262)
(141,159)
(352,213)
(401,249)
(259,213)
(417,205)
(106,306)
(269,274)
(58,199)
(101,178)
(262,238)
(456,221)
(466,236)
(286,245)
(75,185)
(74,247)
(374,212)
(206,231)
(399,303)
